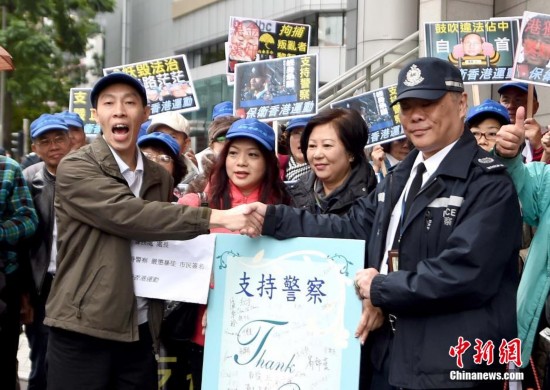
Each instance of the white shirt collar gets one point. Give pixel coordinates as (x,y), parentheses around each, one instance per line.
(122,166)
(133,178)
(392,160)
(433,162)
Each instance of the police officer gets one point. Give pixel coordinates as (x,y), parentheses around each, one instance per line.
(443,232)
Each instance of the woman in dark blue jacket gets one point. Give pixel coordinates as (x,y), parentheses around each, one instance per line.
(333,143)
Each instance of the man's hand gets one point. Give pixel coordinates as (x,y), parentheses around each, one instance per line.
(533,133)
(546,140)
(259,210)
(546,145)
(377,156)
(363,280)
(511,137)
(372,318)
(244,218)
(190,154)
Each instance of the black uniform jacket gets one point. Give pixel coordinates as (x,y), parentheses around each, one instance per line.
(360,182)
(458,262)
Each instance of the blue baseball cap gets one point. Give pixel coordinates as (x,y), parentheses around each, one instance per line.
(117,78)
(71,119)
(297,122)
(489,109)
(143,128)
(521,86)
(47,122)
(253,128)
(158,137)
(222,109)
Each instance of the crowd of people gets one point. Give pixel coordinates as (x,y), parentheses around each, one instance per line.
(439,211)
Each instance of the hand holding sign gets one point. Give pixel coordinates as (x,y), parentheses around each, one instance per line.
(378,155)
(533,132)
(372,318)
(511,137)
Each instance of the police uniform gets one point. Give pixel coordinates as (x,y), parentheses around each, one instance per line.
(458,256)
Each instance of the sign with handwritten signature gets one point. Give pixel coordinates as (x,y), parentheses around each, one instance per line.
(282,314)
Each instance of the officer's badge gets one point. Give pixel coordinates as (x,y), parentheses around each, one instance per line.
(486,160)
(414,76)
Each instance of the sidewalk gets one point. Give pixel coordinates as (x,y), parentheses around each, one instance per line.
(24,362)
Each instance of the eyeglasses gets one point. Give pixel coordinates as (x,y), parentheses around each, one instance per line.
(220,139)
(46,142)
(489,136)
(159,158)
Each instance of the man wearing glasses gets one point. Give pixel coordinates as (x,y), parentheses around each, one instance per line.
(176,126)
(51,142)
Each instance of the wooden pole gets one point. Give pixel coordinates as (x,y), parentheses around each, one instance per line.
(529,108)
(475,95)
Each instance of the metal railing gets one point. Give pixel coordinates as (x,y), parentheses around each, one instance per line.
(360,78)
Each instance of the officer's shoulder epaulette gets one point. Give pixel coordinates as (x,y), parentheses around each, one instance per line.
(489,163)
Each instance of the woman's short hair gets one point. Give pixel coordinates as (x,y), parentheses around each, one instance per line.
(350,127)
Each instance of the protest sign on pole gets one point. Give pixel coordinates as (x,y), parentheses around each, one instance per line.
(483,50)
(283,316)
(260,39)
(79,103)
(376,110)
(167,82)
(532,62)
(277,89)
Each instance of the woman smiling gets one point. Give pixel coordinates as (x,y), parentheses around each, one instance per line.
(333,142)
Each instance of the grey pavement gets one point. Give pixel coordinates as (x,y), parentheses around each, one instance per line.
(24,362)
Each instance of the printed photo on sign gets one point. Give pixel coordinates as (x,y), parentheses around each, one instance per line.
(79,103)
(167,82)
(283,316)
(260,39)
(276,89)
(533,54)
(483,50)
(375,108)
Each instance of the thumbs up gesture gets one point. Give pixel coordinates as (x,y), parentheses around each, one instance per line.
(510,138)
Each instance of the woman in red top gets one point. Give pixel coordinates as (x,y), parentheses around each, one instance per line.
(246,171)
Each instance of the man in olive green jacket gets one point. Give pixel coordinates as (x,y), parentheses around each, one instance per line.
(108,194)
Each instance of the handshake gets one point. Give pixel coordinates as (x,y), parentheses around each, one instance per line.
(247,219)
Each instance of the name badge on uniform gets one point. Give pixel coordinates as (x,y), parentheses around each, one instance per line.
(393,260)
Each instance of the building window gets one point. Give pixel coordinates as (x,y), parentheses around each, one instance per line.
(331,30)
(205,55)
(327,29)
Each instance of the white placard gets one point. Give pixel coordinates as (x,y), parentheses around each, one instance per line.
(173,270)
